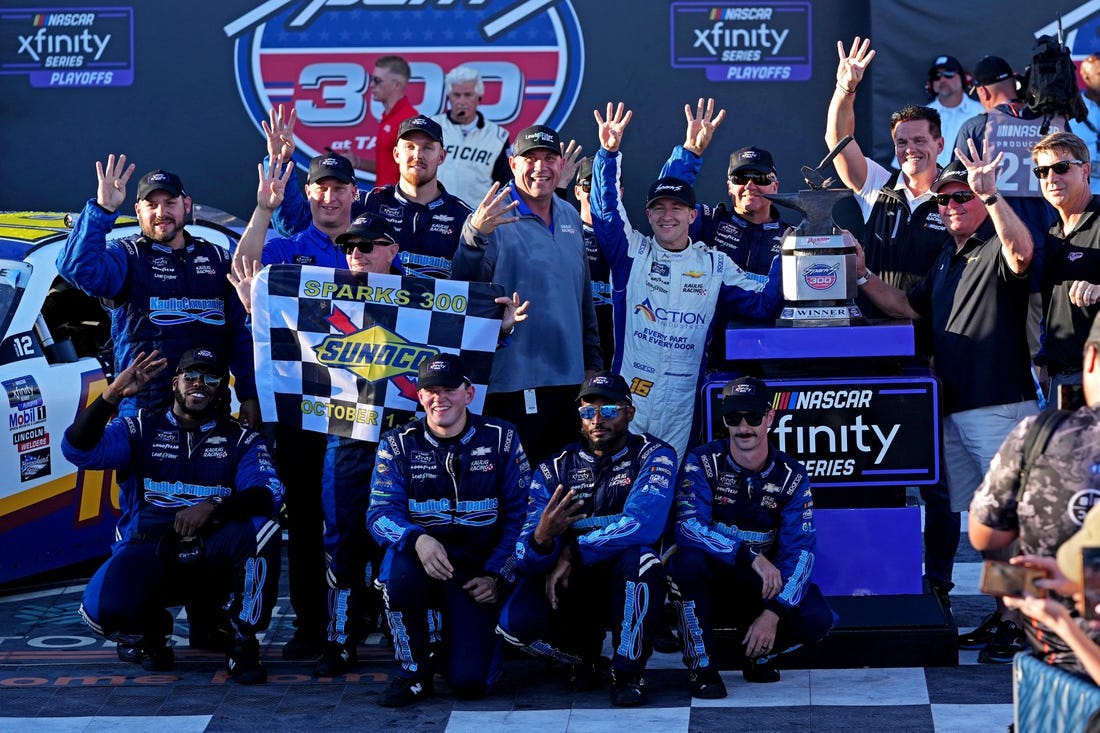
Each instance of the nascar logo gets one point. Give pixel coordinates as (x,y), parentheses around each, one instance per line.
(820,276)
(318,57)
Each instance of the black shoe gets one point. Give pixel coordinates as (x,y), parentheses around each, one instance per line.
(628,690)
(336,659)
(588,676)
(707,684)
(215,638)
(243,662)
(405,691)
(979,637)
(155,654)
(1007,642)
(303,646)
(760,672)
(129,652)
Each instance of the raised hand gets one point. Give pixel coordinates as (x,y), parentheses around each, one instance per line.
(701,125)
(514,311)
(242,271)
(981,170)
(272,188)
(279,129)
(571,160)
(560,513)
(113,178)
(135,376)
(611,129)
(853,64)
(493,210)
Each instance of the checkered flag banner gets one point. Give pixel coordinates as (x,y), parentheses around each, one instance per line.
(338,352)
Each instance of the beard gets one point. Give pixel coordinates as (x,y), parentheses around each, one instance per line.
(416,177)
(168,235)
(207,410)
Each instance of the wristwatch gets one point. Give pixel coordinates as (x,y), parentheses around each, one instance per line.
(990,200)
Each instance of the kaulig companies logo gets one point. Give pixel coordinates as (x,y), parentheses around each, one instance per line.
(317,56)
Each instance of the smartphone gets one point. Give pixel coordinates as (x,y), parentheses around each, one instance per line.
(1000,578)
(1090,580)
(1071,396)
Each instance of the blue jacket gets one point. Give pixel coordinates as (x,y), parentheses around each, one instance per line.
(159,298)
(310,246)
(163,467)
(468,492)
(626,497)
(735,515)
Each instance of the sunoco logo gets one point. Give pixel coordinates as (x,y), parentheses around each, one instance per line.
(820,277)
(373,353)
(318,56)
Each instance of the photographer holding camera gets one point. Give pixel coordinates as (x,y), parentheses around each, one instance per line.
(1039,487)
(198,494)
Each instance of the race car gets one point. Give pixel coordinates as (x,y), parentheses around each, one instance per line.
(55,359)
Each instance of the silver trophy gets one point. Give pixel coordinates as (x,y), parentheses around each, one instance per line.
(819,268)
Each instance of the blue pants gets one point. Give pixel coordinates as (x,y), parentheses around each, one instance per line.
(625,593)
(695,576)
(349,548)
(469,653)
(129,592)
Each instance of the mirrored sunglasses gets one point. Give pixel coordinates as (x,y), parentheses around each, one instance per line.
(607,412)
(194,375)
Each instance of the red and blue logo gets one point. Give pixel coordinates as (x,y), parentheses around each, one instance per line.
(318,55)
(820,276)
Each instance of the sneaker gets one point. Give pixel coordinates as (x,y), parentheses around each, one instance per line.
(628,690)
(129,652)
(1007,642)
(760,672)
(405,691)
(979,637)
(336,659)
(303,646)
(588,676)
(707,684)
(243,662)
(155,654)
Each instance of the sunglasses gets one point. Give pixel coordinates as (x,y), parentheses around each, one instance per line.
(752,418)
(760,179)
(194,375)
(376,80)
(959,197)
(585,185)
(1060,168)
(607,412)
(944,75)
(364,247)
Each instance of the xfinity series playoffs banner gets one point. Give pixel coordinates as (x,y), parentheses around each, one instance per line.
(852,432)
(338,353)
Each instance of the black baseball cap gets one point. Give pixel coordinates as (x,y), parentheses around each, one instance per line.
(370,228)
(745,394)
(670,187)
(442,370)
(203,359)
(534,137)
(159,180)
(584,169)
(990,70)
(949,63)
(751,159)
(605,384)
(331,166)
(954,173)
(423,124)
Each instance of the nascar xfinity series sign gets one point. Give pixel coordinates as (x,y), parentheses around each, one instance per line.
(767,41)
(853,432)
(68,47)
(318,55)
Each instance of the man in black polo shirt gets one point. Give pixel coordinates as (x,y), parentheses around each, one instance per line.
(976,296)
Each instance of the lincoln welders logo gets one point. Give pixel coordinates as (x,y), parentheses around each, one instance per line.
(820,276)
(317,56)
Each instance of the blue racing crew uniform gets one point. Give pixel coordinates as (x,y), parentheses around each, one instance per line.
(616,578)
(725,517)
(665,305)
(163,467)
(159,298)
(469,493)
(752,247)
(310,246)
(428,234)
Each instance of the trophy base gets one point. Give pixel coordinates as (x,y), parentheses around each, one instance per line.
(820,315)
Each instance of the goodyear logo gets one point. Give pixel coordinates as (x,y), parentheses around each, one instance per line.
(373,353)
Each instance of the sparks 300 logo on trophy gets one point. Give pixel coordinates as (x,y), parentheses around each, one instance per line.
(317,56)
